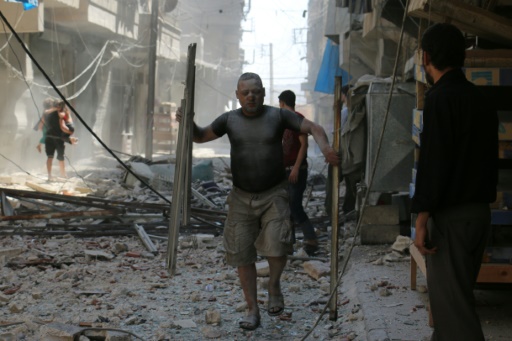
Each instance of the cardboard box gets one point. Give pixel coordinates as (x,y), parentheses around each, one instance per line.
(505,150)
(505,125)
(412,188)
(416,135)
(419,73)
(417,118)
(483,76)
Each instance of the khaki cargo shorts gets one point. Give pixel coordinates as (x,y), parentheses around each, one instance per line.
(257,223)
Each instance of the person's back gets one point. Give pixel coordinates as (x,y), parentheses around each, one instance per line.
(455,182)
(52,123)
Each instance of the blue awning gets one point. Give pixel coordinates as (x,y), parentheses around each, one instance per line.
(330,69)
(27,4)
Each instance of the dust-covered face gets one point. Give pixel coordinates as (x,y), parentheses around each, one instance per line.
(250,95)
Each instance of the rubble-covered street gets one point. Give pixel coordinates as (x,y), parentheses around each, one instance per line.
(57,283)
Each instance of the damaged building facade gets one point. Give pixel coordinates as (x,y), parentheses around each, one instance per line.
(96,53)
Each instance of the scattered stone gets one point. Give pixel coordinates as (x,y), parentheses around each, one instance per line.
(91,255)
(213,316)
(316,269)
(384,292)
(241,307)
(402,244)
(37,294)
(262,269)
(16,308)
(185,324)
(211,333)
(421,289)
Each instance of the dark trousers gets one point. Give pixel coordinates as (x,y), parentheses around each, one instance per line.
(351,181)
(460,235)
(296,194)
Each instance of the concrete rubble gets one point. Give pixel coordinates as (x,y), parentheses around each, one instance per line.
(110,287)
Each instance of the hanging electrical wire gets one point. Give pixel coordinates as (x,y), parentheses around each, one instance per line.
(45,75)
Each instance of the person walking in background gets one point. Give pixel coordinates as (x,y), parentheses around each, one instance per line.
(48,104)
(69,128)
(456,180)
(295,147)
(55,125)
(258,219)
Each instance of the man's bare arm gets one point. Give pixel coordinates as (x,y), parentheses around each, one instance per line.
(202,135)
(308,127)
(199,134)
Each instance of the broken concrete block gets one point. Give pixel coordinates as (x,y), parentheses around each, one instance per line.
(316,269)
(97,255)
(262,269)
(117,336)
(16,308)
(381,215)
(185,323)
(59,332)
(8,337)
(205,241)
(402,244)
(241,307)
(213,316)
(4,298)
(37,294)
(379,234)
(211,333)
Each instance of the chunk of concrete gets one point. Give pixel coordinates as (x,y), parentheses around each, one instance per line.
(59,332)
(379,234)
(316,269)
(381,215)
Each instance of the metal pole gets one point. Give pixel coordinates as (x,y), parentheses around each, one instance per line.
(153,29)
(182,155)
(333,303)
(271,57)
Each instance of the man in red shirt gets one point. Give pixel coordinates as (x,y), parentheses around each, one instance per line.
(295,147)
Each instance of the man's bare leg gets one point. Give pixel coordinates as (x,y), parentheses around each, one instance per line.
(247,275)
(275,296)
(49,162)
(62,169)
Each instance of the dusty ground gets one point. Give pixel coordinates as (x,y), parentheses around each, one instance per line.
(114,283)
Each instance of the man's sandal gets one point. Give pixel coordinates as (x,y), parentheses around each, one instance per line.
(250,322)
(275,305)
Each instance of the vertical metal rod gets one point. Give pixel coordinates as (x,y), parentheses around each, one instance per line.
(333,303)
(187,192)
(182,153)
(153,27)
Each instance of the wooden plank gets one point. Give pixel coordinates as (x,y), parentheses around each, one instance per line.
(39,188)
(418,258)
(467,18)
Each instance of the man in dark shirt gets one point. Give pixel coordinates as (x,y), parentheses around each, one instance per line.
(456,181)
(259,217)
(295,149)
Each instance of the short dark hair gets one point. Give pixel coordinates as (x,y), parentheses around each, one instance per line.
(344,89)
(445,45)
(288,97)
(249,75)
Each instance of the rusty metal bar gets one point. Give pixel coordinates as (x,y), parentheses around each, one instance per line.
(61,215)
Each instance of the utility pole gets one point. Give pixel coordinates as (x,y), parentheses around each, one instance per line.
(271,56)
(153,27)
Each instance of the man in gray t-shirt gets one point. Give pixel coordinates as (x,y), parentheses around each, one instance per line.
(258,219)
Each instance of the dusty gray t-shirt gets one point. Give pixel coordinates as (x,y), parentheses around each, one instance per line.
(256,145)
